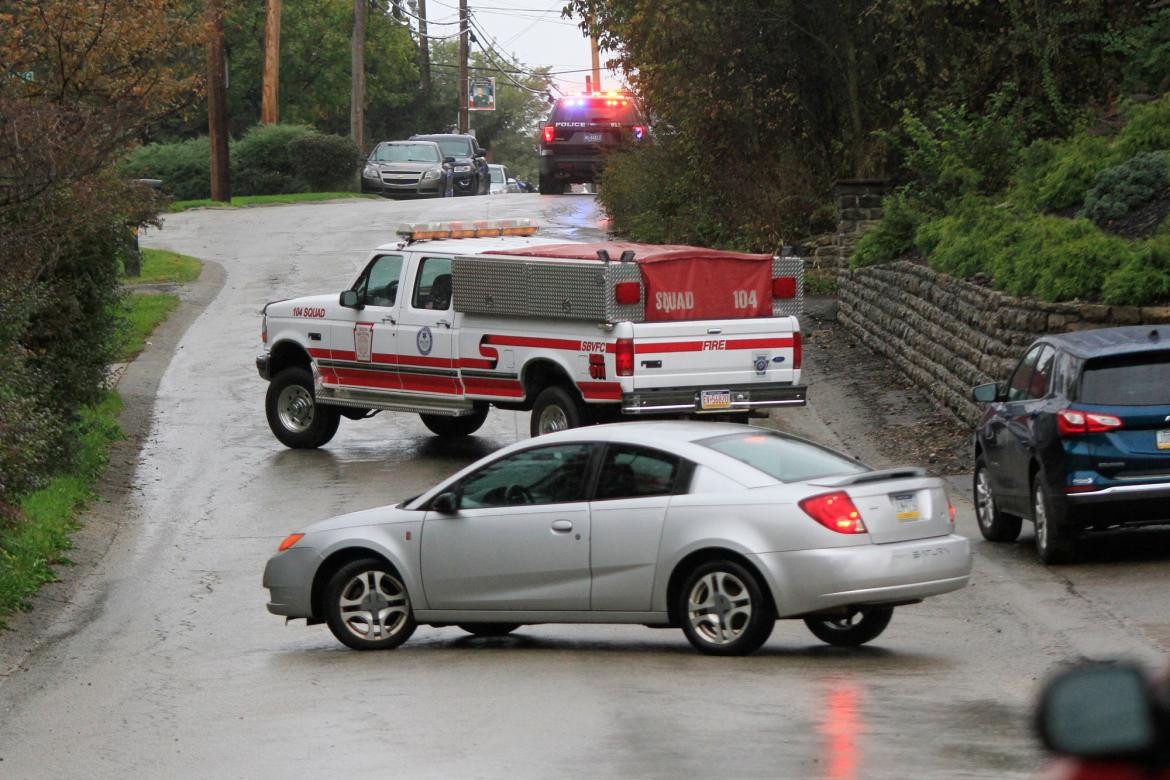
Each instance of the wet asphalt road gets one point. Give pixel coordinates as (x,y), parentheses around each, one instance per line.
(165,663)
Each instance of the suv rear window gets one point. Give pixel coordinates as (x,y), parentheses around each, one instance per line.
(595,111)
(1128,380)
(785,459)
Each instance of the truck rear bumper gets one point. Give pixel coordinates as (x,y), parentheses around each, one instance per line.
(689,399)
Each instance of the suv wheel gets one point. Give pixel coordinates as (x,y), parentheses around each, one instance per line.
(993,524)
(1054,544)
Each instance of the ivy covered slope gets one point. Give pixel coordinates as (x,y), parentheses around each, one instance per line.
(1078,218)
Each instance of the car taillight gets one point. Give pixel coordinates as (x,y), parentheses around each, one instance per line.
(1074,422)
(289,541)
(264,329)
(796,350)
(548,133)
(627,292)
(951,510)
(597,366)
(625,357)
(834,511)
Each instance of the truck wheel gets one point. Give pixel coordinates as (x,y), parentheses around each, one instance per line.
(555,410)
(293,414)
(549,186)
(442,425)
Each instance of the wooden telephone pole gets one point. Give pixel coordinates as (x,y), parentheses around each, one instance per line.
(424,49)
(464,124)
(357,100)
(217,131)
(270,101)
(596,53)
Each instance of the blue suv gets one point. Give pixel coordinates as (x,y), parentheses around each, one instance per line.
(1078,439)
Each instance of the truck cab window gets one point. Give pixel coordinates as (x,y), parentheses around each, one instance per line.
(432,287)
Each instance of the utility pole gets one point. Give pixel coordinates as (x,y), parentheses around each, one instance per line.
(357,99)
(463,123)
(424,48)
(221,183)
(270,101)
(596,55)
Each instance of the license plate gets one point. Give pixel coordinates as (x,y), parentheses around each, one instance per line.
(906,507)
(593,138)
(715,399)
(1164,440)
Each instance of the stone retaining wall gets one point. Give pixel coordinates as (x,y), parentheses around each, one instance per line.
(949,335)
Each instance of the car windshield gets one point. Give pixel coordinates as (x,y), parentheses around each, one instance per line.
(785,459)
(405,153)
(1128,380)
(497,174)
(455,147)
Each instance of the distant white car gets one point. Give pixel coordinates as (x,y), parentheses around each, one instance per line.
(714,528)
(499,180)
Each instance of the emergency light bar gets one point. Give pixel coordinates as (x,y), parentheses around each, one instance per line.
(480,228)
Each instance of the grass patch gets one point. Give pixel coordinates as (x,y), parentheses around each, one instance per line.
(158,265)
(142,313)
(264,200)
(820,282)
(32,542)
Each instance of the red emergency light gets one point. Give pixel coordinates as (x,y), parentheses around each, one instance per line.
(784,287)
(627,292)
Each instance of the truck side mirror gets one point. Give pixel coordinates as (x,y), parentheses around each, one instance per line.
(446,503)
(350,300)
(986,394)
(1099,711)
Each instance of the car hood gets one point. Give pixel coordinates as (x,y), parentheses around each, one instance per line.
(376,516)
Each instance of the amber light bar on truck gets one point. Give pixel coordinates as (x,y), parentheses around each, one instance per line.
(480,228)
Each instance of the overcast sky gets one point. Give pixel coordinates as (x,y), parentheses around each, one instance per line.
(531,30)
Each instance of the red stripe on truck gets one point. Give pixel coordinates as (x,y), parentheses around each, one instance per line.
(712,344)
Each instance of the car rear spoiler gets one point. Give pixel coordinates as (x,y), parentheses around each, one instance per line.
(902,472)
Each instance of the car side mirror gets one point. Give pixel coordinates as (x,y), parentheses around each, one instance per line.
(986,394)
(350,299)
(1099,711)
(446,503)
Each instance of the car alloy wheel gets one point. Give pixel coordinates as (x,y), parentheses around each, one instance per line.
(1053,545)
(368,607)
(993,524)
(719,607)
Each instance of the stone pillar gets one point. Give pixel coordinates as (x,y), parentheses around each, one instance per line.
(859,207)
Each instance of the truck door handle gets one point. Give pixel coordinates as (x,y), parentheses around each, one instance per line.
(389,319)
(562,526)
(444,322)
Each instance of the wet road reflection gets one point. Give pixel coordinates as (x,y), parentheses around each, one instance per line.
(840,728)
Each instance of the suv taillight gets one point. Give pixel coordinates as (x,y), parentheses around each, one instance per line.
(625,357)
(834,511)
(548,134)
(1074,422)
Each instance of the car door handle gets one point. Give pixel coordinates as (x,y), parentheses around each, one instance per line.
(562,526)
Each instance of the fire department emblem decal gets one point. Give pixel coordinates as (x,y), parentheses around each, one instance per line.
(424,341)
(363,341)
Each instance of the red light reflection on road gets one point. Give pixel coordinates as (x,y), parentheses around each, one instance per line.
(841,726)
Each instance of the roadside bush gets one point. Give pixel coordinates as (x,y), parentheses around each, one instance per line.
(893,236)
(262,163)
(326,162)
(1147,128)
(1142,279)
(1121,189)
(1056,175)
(184,167)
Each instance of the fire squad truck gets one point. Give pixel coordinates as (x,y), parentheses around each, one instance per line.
(457,317)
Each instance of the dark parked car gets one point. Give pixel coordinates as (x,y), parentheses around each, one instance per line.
(1078,439)
(407,168)
(468,161)
(579,130)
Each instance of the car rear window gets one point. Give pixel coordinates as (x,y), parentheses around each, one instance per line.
(1128,380)
(595,111)
(785,459)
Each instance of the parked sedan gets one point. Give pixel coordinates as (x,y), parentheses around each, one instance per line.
(1078,439)
(408,168)
(715,528)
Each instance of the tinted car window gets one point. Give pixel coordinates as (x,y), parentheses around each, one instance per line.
(541,475)
(634,472)
(1020,383)
(456,147)
(405,153)
(788,460)
(379,284)
(1042,374)
(1128,380)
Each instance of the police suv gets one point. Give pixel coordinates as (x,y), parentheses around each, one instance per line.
(458,317)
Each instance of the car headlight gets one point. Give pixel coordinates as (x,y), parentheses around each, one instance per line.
(462,168)
(433,173)
(370,172)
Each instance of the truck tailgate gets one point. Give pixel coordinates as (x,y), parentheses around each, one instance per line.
(716,353)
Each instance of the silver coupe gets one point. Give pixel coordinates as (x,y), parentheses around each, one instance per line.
(716,528)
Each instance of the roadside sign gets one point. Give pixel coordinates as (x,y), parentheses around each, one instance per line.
(481,93)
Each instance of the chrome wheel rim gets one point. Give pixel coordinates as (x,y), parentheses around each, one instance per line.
(984,503)
(553,418)
(845,622)
(294,407)
(374,605)
(719,608)
(1040,516)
